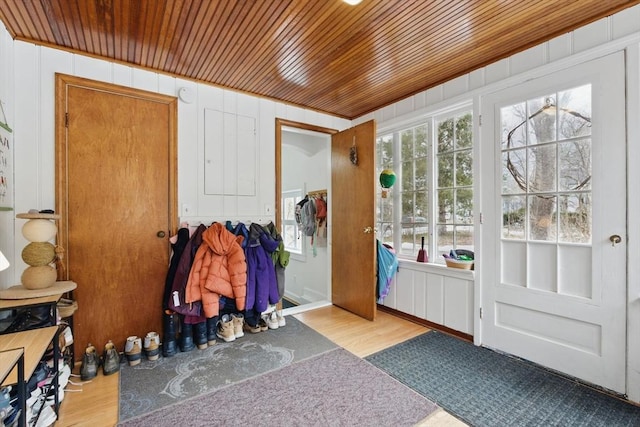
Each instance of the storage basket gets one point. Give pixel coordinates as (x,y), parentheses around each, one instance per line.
(458,263)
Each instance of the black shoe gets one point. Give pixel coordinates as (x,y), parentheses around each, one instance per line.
(212,324)
(111,359)
(200,335)
(90,362)
(169,344)
(186,337)
(30,318)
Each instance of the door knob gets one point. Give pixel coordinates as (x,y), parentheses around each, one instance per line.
(615,239)
(160,234)
(368,230)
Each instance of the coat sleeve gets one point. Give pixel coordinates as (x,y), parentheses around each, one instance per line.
(192,289)
(238,275)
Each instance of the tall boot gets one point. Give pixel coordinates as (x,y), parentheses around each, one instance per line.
(200,335)
(169,344)
(186,337)
(212,323)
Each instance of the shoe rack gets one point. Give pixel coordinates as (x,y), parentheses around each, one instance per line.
(33,343)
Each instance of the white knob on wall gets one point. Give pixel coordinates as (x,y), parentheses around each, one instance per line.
(185,95)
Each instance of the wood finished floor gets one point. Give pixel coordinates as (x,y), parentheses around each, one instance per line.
(97,404)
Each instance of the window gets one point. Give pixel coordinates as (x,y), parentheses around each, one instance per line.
(290,235)
(433,195)
(454,216)
(546,164)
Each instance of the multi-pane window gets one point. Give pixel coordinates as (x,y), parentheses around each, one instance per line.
(290,235)
(546,168)
(454,161)
(432,199)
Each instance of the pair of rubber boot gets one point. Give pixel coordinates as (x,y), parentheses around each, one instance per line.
(199,335)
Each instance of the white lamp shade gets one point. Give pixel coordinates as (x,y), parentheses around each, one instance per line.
(4,263)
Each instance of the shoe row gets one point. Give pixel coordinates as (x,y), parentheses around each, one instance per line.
(135,346)
(41,394)
(272,319)
(230,327)
(91,361)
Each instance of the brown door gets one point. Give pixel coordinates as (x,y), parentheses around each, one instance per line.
(353,253)
(116,192)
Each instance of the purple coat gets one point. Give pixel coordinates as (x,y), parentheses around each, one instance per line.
(262,286)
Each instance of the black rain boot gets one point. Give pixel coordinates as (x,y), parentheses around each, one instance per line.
(212,323)
(186,337)
(200,335)
(169,344)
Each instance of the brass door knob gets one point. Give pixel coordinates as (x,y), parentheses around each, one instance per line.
(160,234)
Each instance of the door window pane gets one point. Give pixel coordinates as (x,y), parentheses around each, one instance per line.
(553,169)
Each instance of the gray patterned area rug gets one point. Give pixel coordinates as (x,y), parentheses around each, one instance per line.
(486,388)
(155,384)
(335,388)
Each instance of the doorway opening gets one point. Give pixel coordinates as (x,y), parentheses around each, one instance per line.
(303,168)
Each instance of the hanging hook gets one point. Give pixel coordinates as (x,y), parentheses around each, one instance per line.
(353,152)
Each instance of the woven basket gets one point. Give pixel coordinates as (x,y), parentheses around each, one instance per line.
(67,307)
(458,263)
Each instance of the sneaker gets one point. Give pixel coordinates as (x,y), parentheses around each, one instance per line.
(225,329)
(63,376)
(47,417)
(90,362)
(152,345)
(262,323)
(133,350)
(251,329)
(238,324)
(272,321)
(65,338)
(110,359)
(281,320)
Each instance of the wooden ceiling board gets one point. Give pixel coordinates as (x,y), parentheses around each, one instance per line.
(323,55)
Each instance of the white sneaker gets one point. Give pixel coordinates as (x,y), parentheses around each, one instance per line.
(47,417)
(272,320)
(281,320)
(34,397)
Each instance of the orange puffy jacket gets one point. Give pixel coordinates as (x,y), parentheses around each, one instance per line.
(219,268)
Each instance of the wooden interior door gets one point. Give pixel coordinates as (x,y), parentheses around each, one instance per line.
(353,254)
(116,193)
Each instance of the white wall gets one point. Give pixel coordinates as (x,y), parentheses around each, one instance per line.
(27,90)
(418,290)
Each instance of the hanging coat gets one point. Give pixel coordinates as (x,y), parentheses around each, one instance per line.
(387,267)
(182,238)
(219,268)
(280,257)
(262,286)
(192,312)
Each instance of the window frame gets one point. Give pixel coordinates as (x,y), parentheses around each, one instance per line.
(296,195)
(394,195)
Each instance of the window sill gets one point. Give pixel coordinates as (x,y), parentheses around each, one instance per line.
(440,269)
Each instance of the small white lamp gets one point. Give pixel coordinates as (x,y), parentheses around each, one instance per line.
(4,263)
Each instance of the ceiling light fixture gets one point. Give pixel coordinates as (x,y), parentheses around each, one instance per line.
(352,2)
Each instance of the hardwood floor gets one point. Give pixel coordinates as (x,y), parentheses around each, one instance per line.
(97,404)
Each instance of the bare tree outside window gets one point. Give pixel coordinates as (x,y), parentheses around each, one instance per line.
(546,159)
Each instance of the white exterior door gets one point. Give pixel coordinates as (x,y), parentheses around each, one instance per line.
(553,242)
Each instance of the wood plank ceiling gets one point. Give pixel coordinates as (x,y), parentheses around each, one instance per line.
(320,54)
